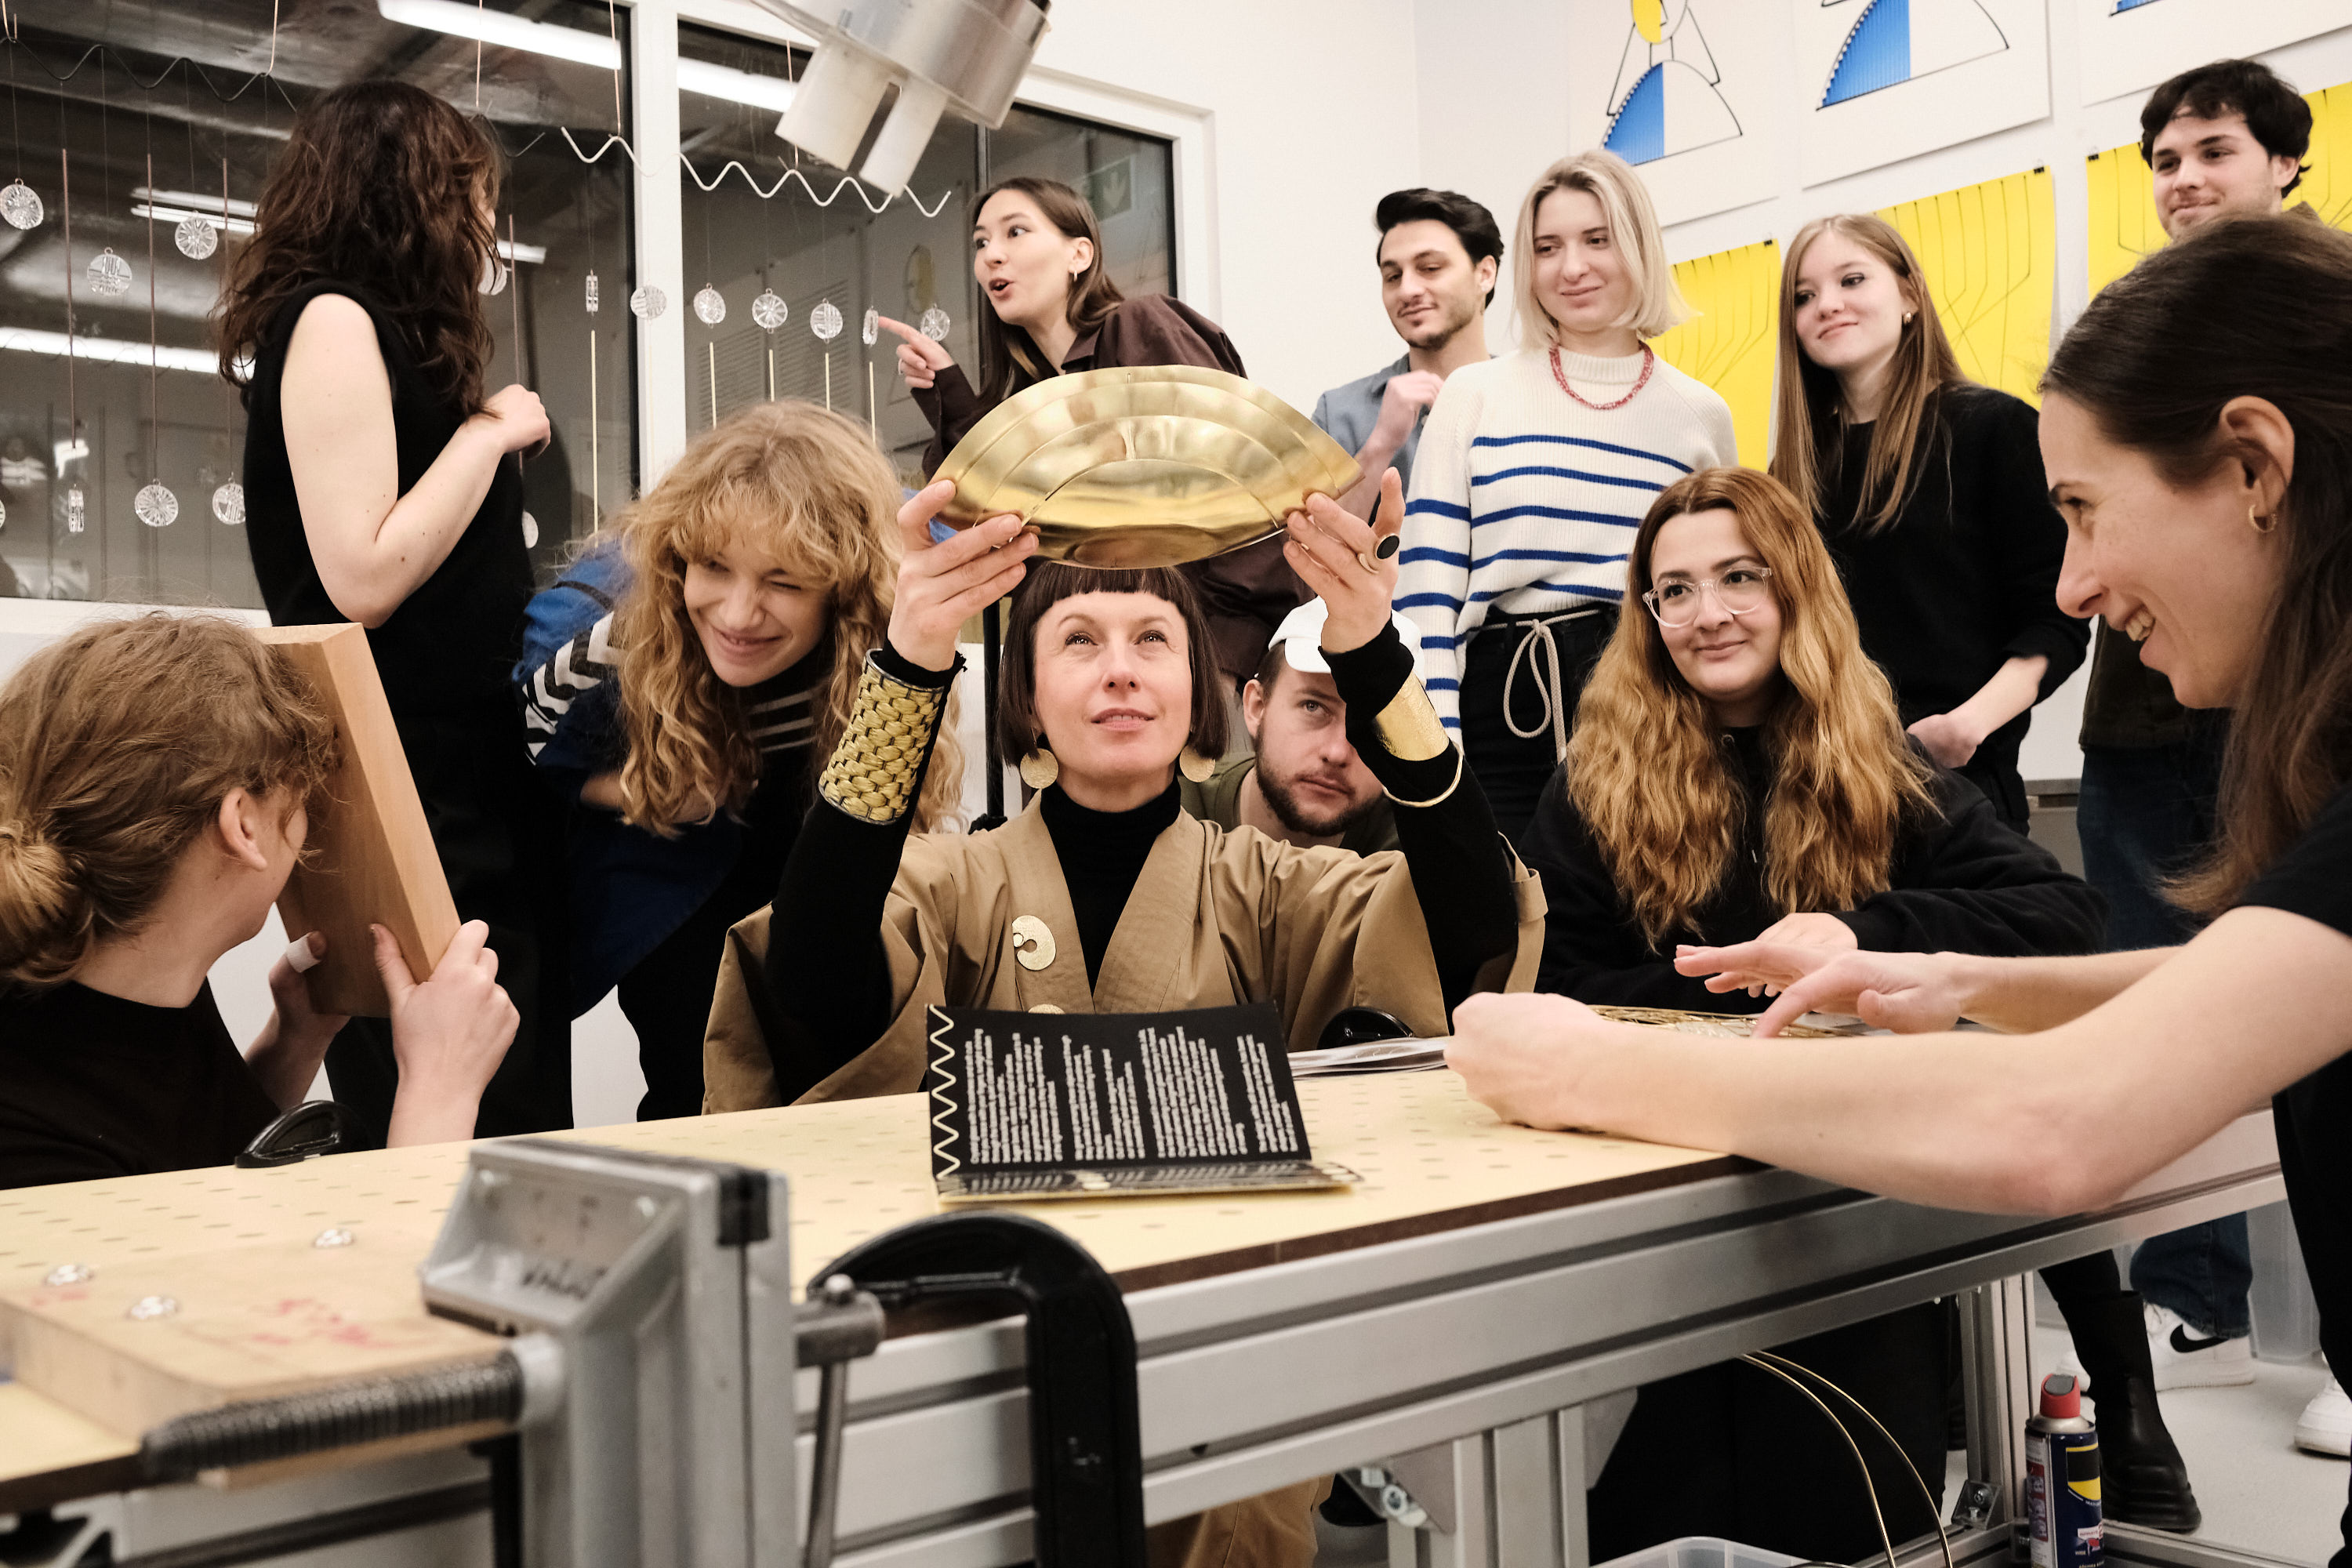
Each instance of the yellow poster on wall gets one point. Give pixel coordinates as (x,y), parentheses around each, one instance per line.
(2123,226)
(1991,254)
(1729,343)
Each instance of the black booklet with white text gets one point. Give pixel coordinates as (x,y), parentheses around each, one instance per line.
(1094,1105)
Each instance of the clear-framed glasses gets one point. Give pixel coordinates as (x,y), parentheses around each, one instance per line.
(1676,602)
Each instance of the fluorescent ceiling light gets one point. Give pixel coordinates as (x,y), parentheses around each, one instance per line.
(177,215)
(107,351)
(699,76)
(507,32)
(736,87)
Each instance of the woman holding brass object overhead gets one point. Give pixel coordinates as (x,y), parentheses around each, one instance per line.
(1052,309)
(1115,899)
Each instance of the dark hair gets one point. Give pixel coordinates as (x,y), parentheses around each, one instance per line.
(1270,665)
(1051,581)
(2275,113)
(2247,306)
(1005,351)
(1472,224)
(108,772)
(376,188)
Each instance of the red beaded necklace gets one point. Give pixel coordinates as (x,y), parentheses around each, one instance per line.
(1649,363)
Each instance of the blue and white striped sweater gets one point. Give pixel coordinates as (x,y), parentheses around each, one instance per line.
(1525,503)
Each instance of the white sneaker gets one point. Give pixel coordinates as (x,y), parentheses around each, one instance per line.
(2326,1424)
(2184,1359)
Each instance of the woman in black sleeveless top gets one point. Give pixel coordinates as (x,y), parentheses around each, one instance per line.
(383,487)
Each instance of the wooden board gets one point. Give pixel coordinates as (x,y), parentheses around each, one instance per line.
(371,855)
(261,1309)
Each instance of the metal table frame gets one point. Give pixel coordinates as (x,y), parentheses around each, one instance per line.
(1461,1358)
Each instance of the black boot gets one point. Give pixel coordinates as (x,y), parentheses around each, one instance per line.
(2142,1479)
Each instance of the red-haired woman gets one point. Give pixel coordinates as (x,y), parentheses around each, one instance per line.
(1738,768)
(1052,308)
(382,486)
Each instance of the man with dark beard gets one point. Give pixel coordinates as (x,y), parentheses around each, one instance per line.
(1439,255)
(1305,784)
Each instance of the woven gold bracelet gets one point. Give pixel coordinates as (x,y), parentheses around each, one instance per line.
(877,769)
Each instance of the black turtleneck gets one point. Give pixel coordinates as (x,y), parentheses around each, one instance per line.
(1102,853)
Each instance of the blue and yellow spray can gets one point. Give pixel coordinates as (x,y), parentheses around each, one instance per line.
(2062,1479)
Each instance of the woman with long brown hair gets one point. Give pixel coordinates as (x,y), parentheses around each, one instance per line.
(2197,434)
(384,485)
(1053,309)
(157,778)
(1928,489)
(677,682)
(1737,770)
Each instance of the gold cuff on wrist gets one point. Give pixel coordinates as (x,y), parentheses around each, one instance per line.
(876,770)
(1409,726)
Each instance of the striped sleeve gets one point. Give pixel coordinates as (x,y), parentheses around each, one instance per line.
(1434,570)
(575,669)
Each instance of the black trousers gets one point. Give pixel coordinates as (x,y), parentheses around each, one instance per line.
(1513,768)
(1732,1451)
(498,835)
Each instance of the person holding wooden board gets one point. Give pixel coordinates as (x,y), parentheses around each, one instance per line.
(142,837)
(383,485)
(1103,896)
(680,679)
(2197,435)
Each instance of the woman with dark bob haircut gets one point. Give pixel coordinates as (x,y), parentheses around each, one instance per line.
(1103,896)
(383,487)
(2197,431)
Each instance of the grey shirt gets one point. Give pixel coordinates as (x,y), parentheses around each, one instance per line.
(1347,414)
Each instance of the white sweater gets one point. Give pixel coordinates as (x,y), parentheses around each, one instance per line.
(1525,503)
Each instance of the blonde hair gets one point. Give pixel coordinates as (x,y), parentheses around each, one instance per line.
(1809,397)
(808,489)
(1632,229)
(118,744)
(1647,770)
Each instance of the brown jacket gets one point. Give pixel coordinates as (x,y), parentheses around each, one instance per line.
(1246,592)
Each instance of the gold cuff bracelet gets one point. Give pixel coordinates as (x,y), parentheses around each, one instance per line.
(876,768)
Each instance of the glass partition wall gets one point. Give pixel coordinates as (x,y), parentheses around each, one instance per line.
(99,95)
(153,128)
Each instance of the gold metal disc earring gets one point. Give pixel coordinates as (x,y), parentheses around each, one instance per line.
(1196,766)
(1040,768)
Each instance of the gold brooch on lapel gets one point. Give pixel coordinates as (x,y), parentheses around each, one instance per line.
(1032,941)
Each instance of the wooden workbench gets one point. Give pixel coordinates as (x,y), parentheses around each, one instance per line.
(259,1308)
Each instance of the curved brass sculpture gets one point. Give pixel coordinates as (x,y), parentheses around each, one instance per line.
(1144,466)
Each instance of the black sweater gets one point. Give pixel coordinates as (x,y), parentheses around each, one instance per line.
(1960,882)
(1966,577)
(829,981)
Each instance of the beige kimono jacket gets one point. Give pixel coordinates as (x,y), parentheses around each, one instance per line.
(1216,918)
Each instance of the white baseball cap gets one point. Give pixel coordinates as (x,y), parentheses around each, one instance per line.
(1302,629)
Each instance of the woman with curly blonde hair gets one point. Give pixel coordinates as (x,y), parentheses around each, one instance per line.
(678,680)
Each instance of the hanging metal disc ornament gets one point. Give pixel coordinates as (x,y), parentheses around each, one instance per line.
(109,274)
(21,205)
(229,504)
(770,310)
(197,238)
(592,290)
(826,320)
(76,510)
(530,531)
(648,301)
(871,327)
(3,514)
(156,505)
(710,305)
(934,324)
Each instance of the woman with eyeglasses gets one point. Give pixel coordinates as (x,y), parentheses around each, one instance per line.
(1929,490)
(1738,770)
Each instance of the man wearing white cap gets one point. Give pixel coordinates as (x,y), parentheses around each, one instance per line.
(1305,784)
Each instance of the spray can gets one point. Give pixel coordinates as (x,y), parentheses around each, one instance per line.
(2062,1479)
